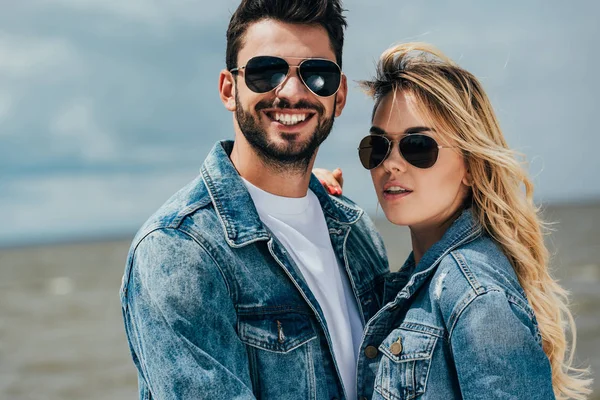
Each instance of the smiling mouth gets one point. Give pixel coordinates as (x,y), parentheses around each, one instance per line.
(289,119)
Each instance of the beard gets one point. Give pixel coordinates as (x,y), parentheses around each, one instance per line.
(291,157)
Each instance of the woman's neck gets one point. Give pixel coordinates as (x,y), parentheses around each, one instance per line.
(426,235)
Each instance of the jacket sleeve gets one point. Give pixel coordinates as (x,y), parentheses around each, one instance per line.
(495,351)
(181,322)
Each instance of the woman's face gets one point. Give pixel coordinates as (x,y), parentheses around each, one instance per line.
(416,197)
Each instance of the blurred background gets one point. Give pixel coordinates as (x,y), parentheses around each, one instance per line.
(107,107)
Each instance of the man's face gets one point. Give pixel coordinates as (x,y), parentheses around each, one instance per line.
(286,125)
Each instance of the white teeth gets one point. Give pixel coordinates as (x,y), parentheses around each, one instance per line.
(290,119)
(396,189)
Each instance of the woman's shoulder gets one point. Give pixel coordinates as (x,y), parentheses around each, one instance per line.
(472,270)
(480,263)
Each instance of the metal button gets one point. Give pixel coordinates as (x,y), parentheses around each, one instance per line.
(396,347)
(371,352)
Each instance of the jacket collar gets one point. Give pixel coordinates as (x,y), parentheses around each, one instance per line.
(465,229)
(233,204)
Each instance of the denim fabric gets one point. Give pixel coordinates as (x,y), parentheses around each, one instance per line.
(457,325)
(214,307)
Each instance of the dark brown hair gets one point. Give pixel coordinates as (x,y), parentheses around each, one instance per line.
(325,13)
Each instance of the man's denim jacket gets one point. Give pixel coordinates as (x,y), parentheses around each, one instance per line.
(457,325)
(214,307)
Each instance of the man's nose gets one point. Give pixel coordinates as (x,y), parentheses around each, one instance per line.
(292,88)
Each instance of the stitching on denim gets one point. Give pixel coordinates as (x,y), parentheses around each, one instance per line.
(135,335)
(426,354)
(462,264)
(428,371)
(358,213)
(467,300)
(187,211)
(523,305)
(225,222)
(254,372)
(268,310)
(458,310)
(250,341)
(197,241)
(232,293)
(422,328)
(312,384)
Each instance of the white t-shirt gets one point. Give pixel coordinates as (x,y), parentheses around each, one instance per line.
(299,224)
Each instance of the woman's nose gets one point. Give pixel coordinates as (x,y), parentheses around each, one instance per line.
(395,161)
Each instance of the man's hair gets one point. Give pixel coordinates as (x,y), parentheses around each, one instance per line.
(325,13)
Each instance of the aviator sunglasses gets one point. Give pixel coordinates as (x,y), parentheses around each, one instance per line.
(264,73)
(417,149)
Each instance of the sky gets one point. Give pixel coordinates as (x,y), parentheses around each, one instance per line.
(107,107)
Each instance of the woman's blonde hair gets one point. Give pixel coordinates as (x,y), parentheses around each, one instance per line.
(454,101)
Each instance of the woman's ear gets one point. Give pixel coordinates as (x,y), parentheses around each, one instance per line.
(227,89)
(467,179)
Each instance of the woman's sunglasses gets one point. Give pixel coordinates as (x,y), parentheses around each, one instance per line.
(417,149)
(264,73)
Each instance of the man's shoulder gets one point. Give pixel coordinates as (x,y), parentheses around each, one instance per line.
(345,203)
(191,201)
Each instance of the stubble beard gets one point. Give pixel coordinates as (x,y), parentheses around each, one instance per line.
(294,158)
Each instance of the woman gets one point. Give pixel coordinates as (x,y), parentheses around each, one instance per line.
(473,312)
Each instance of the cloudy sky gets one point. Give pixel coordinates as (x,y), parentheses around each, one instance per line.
(107,107)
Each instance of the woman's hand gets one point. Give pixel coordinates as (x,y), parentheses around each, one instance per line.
(332,181)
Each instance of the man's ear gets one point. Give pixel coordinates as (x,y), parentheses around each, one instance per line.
(227,89)
(340,96)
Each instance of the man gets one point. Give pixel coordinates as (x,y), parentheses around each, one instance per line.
(252,282)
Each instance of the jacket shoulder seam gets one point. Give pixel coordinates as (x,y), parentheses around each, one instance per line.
(466,301)
(195,240)
(467,272)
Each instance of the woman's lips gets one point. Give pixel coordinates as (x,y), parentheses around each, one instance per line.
(394,191)
(395,196)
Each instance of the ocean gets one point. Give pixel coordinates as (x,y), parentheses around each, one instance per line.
(62,337)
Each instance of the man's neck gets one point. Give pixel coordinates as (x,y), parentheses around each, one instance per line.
(273,180)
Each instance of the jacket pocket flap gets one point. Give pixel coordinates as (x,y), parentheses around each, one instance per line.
(280,333)
(406,344)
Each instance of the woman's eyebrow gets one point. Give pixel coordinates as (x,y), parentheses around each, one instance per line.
(375,130)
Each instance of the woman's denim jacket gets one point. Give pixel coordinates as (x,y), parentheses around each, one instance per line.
(214,308)
(457,325)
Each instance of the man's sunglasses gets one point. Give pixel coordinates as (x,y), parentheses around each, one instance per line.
(417,149)
(264,73)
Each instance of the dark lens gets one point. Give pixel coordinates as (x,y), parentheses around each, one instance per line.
(419,150)
(265,73)
(322,77)
(372,150)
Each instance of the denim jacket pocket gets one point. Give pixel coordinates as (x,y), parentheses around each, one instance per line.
(280,333)
(281,346)
(406,357)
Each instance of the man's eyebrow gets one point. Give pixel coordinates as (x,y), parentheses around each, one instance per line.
(375,130)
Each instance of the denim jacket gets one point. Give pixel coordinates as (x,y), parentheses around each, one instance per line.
(214,307)
(457,325)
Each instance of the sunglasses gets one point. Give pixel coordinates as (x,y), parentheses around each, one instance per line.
(417,149)
(264,73)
